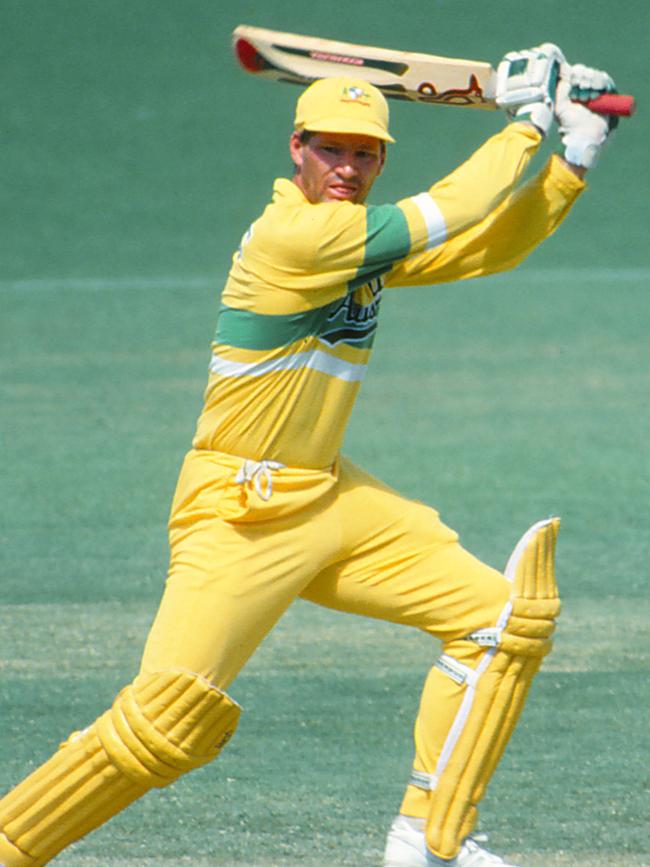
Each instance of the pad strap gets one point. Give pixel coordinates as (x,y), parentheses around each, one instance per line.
(458,672)
(422,780)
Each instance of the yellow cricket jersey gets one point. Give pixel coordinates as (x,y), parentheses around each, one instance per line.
(299,309)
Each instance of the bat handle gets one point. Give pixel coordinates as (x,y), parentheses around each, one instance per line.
(613,103)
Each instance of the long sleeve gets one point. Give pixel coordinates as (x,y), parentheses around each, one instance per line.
(334,247)
(467,195)
(504,238)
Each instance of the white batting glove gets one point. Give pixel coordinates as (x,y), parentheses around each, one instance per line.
(526,84)
(583,132)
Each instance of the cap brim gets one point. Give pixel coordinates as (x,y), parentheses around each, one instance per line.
(348,126)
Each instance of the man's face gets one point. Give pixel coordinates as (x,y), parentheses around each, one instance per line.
(336,167)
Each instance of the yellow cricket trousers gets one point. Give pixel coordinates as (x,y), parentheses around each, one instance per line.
(247,539)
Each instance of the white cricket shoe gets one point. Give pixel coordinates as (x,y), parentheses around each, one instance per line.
(406,847)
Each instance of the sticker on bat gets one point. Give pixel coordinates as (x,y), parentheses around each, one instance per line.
(457,96)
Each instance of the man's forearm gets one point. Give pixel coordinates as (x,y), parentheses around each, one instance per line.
(579,171)
(504,238)
(473,190)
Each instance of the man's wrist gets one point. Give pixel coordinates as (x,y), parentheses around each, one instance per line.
(531,125)
(579,171)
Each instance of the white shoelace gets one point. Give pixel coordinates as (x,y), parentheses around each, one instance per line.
(260,474)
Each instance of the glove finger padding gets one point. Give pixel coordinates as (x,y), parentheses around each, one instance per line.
(587,84)
(526,84)
(586,79)
(583,132)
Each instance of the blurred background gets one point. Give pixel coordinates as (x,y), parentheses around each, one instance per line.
(133,145)
(134,154)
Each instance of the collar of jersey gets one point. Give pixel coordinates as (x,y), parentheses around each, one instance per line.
(285,189)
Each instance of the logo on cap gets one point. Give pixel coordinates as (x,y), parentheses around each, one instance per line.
(355,94)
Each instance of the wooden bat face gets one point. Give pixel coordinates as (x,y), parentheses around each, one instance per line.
(404,75)
(398,74)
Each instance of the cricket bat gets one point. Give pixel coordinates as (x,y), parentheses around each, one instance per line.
(398,74)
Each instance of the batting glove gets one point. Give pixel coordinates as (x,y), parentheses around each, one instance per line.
(583,132)
(526,84)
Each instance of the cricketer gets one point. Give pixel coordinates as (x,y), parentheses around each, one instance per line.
(267,510)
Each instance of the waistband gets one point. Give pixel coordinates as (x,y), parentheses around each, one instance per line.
(249,489)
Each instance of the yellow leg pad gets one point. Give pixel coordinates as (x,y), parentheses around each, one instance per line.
(159,727)
(531,567)
(485,711)
(495,693)
(10,856)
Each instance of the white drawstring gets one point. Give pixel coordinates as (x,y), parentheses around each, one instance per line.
(258,472)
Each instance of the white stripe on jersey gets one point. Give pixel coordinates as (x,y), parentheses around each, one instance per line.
(314,360)
(432,217)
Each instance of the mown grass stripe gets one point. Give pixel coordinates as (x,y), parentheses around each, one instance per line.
(162,283)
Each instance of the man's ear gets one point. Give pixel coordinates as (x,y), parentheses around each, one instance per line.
(384,154)
(295,149)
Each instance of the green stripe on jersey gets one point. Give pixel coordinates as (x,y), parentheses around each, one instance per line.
(247,330)
(343,320)
(387,241)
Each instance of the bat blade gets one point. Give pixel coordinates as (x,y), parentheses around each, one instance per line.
(399,74)
(406,75)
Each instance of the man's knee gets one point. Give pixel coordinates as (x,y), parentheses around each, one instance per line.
(160,726)
(165,724)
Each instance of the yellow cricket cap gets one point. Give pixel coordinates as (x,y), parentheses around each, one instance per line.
(347,105)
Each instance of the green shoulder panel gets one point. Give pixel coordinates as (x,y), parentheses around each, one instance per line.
(388,240)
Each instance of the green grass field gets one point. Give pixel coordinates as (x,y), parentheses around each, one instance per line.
(136,155)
